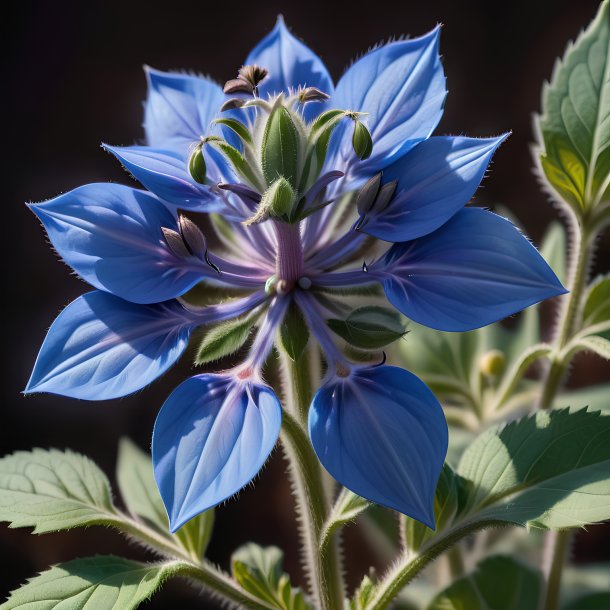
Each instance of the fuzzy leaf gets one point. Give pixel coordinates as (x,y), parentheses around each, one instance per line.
(102,582)
(54,490)
(575,121)
(595,344)
(597,302)
(224,339)
(548,470)
(498,583)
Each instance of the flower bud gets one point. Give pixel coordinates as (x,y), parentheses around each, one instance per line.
(362,141)
(197,168)
(279,147)
(492,363)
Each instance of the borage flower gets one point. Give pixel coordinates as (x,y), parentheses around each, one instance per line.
(323,204)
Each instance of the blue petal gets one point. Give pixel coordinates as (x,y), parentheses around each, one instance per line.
(102,347)
(435,180)
(111,236)
(382,433)
(476,269)
(165,174)
(401,86)
(211,437)
(290,64)
(179,109)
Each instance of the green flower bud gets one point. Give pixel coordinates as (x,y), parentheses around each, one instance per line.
(492,363)
(197,168)
(279,147)
(276,201)
(362,141)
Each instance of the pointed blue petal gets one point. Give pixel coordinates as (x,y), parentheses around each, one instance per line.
(211,437)
(435,180)
(111,236)
(102,347)
(382,433)
(290,64)
(179,109)
(165,173)
(476,269)
(401,86)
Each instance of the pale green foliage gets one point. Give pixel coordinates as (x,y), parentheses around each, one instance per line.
(53,490)
(141,496)
(575,120)
(259,571)
(498,583)
(94,583)
(548,470)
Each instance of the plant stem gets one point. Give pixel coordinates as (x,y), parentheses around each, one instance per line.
(559,542)
(323,568)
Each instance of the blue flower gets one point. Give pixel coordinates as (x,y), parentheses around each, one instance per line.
(308,190)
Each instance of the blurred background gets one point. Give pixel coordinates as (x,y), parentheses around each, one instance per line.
(73,78)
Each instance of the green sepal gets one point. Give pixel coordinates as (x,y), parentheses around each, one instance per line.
(239,163)
(294,333)
(279,150)
(225,338)
(369,327)
(362,141)
(238,127)
(277,201)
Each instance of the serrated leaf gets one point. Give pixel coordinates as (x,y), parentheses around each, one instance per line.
(597,302)
(259,571)
(54,490)
(575,121)
(548,470)
(369,327)
(294,333)
(225,339)
(498,583)
(96,583)
(141,496)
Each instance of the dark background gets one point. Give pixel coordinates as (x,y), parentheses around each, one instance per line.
(72,79)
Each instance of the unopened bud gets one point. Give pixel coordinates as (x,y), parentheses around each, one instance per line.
(362,141)
(279,197)
(193,237)
(312,94)
(492,363)
(196,165)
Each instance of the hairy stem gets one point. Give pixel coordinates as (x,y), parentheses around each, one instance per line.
(323,568)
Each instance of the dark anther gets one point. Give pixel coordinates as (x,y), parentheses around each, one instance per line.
(188,241)
(367,194)
(210,263)
(234,102)
(312,94)
(365,267)
(247,80)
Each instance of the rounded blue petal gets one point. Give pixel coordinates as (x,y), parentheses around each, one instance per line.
(290,64)
(382,434)
(401,87)
(476,269)
(179,109)
(211,437)
(165,173)
(111,236)
(103,347)
(434,181)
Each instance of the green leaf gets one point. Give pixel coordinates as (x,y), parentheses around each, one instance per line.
(548,470)
(596,601)
(225,339)
(498,583)
(363,594)
(279,147)
(141,496)
(259,571)
(554,249)
(369,327)
(597,302)
(575,123)
(99,583)
(238,127)
(294,333)
(346,508)
(54,490)
(446,503)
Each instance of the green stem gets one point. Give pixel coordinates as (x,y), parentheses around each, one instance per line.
(216,582)
(569,322)
(323,568)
